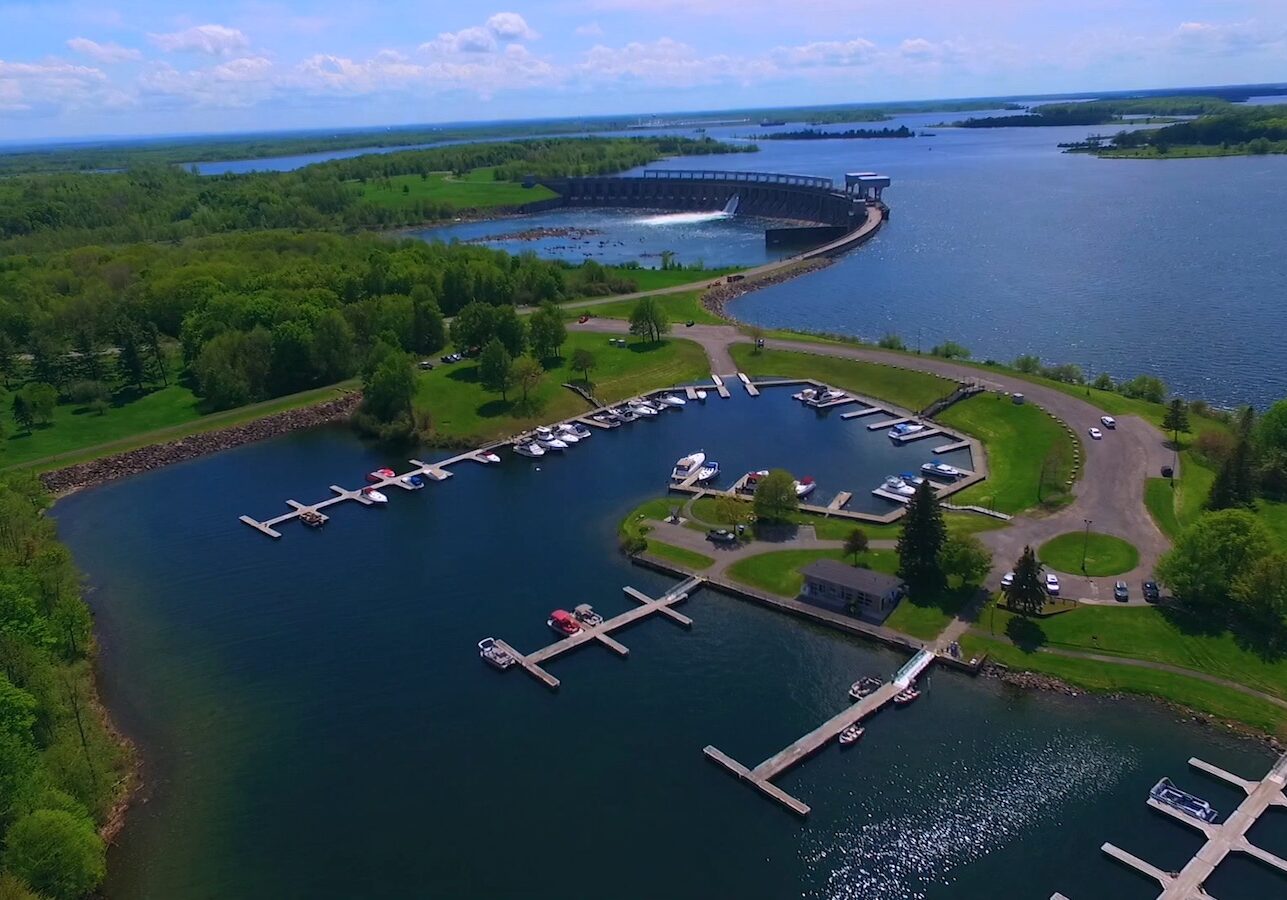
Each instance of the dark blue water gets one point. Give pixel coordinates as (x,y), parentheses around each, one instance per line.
(316,722)
(294,161)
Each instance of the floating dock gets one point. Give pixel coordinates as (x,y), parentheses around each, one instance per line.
(917,435)
(720,386)
(746,383)
(761,776)
(859,413)
(840,500)
(1221,840)
(533,662)
(948,448)
(889,423)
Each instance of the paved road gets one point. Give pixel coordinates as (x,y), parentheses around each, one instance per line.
(1110,492)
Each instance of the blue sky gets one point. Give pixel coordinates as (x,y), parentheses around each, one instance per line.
(96,68)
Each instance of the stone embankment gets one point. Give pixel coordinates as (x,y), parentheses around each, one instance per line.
(716,299)
(145,459)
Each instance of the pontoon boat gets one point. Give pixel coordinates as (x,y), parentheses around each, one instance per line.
(494,655)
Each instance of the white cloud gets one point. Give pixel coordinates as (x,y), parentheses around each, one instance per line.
(1225,38)
(509,26)
(666,63)
(590,30)
(41,87)
(103,53)
(486,38)
(846,54)
(213,40)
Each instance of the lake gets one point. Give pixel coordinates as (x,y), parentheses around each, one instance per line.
(316,722)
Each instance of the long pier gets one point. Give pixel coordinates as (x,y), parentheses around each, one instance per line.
(761,777)
(533,663)
(1221,840)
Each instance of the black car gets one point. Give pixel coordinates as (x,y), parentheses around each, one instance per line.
(1151,592)
(689,324)
(721,536)
(1121,592)
(447,358)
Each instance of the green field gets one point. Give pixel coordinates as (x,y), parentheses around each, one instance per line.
(461,411)
(657,279)
(1106,677)
(778,571)
(680,556)
(1019,439)
(680,308)
(476,190)
(1104,554)
(903,387)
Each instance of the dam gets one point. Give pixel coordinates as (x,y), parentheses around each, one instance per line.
(830,211)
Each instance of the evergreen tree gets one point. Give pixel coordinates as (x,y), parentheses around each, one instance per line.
(1235,482)
(1026,595)
(1176,419)
(158,367)
(129,358)
(22,414)
(921,542)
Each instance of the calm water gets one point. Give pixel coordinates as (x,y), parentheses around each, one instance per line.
(317,723)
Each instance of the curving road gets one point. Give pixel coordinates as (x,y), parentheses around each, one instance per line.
(1110,492)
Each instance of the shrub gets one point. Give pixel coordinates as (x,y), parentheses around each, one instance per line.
(56,853)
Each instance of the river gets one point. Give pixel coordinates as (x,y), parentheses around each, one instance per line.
(316,722)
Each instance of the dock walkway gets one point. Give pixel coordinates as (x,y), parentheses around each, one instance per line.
(751,389)
(792,755)
(533,662)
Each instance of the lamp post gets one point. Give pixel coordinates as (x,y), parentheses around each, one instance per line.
(1085,543)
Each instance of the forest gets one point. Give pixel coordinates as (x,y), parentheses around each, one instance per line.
(1102,112)
(1250,130)
(164,203)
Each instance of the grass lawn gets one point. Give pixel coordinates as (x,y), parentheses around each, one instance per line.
(1098,676)
(680,556)
(1274,515)
(1018,439)
(926,619)
(679,308)
(1150,633)
(903,387)
(837,529)
(476,190)
(1104,554)
(778,571)
(460,410)
(655,279)
(162,415)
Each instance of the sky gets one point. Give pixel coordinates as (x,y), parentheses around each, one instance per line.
(70,69)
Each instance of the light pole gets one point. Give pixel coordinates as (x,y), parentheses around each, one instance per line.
(1085,543)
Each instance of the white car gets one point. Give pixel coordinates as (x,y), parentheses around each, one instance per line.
(1096,434)
(1108,421)
(1052,584)
(1007,579)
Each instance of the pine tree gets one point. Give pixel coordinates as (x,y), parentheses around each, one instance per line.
(1026,595)
(129,361)
(1176,419)
(1235,482)
(921,541)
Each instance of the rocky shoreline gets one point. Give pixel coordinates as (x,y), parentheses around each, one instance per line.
(145,459)
(716,299)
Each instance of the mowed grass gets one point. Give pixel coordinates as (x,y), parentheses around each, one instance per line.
(461,411)
(1018,439)
(778,571)
(1104,554)
(902,387)
(659,279)
(1156,634)
(680,556)
(680,308)
(837,529)
(1202,696)
(475,190)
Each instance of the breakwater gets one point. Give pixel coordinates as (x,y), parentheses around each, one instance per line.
(145,459)
(716,299)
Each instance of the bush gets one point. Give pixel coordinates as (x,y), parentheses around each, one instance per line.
(56,853)
(1214,447)
(86,393)
(951,350)
(1144,387)
(891,341)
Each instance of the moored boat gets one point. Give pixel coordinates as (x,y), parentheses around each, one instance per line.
(529,448)
(489,457)
(701,395)
(374,496)
(567,435)
(851,735)
(687,466)
(563,622)
(626,414)
(906,695)
(672,400)
(1165,792)
(415,481)
(805,486)
(752,479)
(863,687)
(643,410)
(380,475)
(902,429)
(941,470)
(586,615)
(312,518)
(895,485)
(580,430)
(708,472)
(492,654)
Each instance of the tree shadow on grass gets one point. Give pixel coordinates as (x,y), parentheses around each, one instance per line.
(465,374)
(495,408)
(1205,623)
(646,346)
(1026,634)
(1266,641)
(776,532)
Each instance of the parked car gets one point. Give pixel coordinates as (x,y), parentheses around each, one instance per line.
(1152,593)
(1095,433)
(1052,584)
(425,365)
(689,324)
(1108,421)
(1007,579)
(721,536)
(1121,592)
(583,319)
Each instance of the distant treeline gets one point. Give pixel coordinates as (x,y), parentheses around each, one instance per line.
(1262,126)
(852,134)
(165,203)
(1101,112)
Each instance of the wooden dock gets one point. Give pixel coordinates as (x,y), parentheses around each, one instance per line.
(792,755)
(533,662)
(889,423)
(948,448)
(840,500)
(859,413)
(720,386)
(746,383)
(691,392)
(1221,839)
(917,435)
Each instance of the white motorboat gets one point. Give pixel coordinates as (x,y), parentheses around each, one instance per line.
(911,478)
(850,735)
(672,400)
(753,479)
(567,435)
(414,482)
(625,414)
(941,470)
(374,496)
(655,405)
(579,430)
(492,654)
(896,485)
(903,429)
(701,395)
(642,409)
(552,443)
(688,466)
(544,431)
(808,395)
(529,448)
(708,472)
(805,486)
(489,457)
(827,395)
(586,615)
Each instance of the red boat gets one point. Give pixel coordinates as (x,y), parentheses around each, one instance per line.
(380,474)
(563,622)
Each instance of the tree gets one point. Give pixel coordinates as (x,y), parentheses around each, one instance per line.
(648,320)
(1235,483)
(158,365)
(921,541)
(57,853)
(428,329)
(22,415)
(1211,554)
(547,331)
(1271,431)
(528,374)
(775,497)
(583,361)
(332,350)
(88,363)
(965,557)
(1103,382)
(8,359)
(1027,364)
(129,358)
(511,330)
(42,399)
(496,368)
(87,393)
(1144,387)
(1261,593)
(951,350)
(473,326)
(387,392)
(1176,419)
(891,341)
(856,543)
(1026,594)
(731,511)
(756,334)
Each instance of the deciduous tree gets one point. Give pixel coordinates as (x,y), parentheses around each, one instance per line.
(56,853)
(1210,554)
(775,497)
(856,543)
(496,368)
(583,361)
(648,320)
(547,331)
(964,556)
(528,374)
